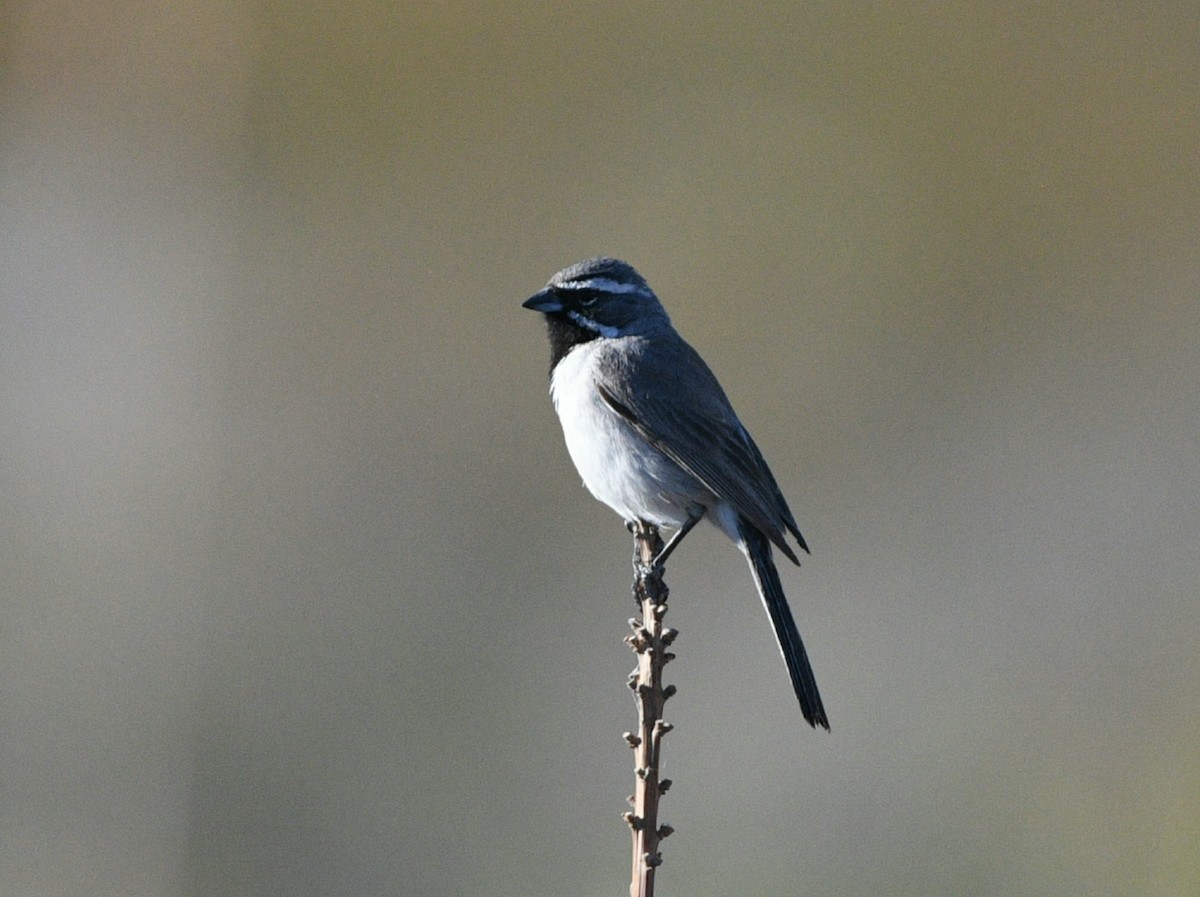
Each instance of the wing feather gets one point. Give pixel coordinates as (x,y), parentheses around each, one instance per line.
(669,395)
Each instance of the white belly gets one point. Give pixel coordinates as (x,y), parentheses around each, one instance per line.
(617,465)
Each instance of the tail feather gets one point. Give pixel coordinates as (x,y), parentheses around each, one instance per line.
(758,552)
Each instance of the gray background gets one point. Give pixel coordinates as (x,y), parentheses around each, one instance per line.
(301,594)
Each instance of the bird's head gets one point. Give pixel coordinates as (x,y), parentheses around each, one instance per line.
(601,297)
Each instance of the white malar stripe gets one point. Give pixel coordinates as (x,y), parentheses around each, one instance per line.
(602,285)
(602,329)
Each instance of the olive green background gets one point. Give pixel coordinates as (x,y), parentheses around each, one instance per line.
(300,593)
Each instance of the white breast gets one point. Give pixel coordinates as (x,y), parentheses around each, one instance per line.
(618,467)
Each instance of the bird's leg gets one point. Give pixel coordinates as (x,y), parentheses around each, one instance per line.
(661,557)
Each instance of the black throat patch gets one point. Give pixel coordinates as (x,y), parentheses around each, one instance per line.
(565,335)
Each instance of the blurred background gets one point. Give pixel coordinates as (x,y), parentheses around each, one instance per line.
(300,592)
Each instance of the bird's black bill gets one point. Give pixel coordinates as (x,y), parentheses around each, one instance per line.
(758,551)
(544,301)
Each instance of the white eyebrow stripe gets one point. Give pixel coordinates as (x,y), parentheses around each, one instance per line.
(602,329)
(602,285)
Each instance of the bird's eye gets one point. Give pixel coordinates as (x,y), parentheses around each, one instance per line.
(588,301)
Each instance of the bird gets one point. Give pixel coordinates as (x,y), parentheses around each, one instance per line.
(654,437)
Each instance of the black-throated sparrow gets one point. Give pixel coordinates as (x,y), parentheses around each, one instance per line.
(654,437)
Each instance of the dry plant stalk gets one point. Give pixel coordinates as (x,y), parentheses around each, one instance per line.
(649,641)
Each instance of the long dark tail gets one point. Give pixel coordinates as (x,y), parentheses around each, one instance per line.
(758,551)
